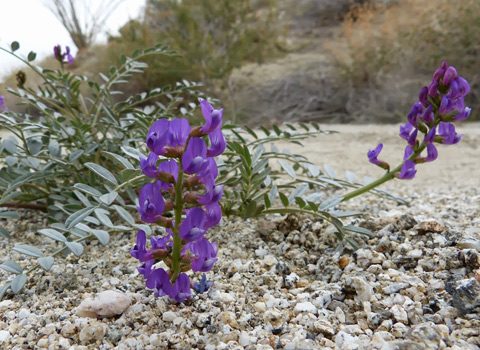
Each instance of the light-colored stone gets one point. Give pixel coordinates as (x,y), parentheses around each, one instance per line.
(105,304)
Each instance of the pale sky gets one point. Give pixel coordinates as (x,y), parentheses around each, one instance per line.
(36,29)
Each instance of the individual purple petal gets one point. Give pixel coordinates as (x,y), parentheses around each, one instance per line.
(454,90)
(217,143)
(412,140)
(433,89)
(450,74)
(430,137)
(423,96)
(139,251)
(432,153)
(146,268)
(446,106)
(171,168)
(70,58)
(405,131)
(463,86)
(447,134)
(57,52)
(428,115)
(179,130)
(194,159)
(373,154)
(408,170)
(192,228)
(213,117)
(440,72)
(408,152)
(159,281)
(205,255)
(214,214)
(415,113)
(157,136)
(160,242)
(463,115)
(149,165)
(151,203)
(181,289)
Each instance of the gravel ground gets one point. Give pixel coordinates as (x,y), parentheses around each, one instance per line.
(285,282)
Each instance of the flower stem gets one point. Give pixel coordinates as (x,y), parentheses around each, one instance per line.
(177,242)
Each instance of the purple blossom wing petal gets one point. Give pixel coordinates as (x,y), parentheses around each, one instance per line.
(408,170)
(151,203)
(408,152)
(214,214)
(149,165)
(179,130)
(217,143)
(181,289)
(192,228)
(207,110)
(159,281)
(432,153)
(157,136)
(194,159)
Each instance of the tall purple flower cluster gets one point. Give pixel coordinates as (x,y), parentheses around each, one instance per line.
(440,105)
(59,56)
(183,169)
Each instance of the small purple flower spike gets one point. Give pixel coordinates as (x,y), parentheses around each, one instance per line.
(202,286)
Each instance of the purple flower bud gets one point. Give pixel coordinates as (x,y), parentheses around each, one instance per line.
(217,143)
(158,136)
(415,113)
(214,214)
(149,165)
(412,140)
(151,204)
(405,131)
(205,255)
(57,52)
(423,96)
(463,86)
(408,170)
(433,89)
(432,153)
(428,115)
(213,117)
(194,160)
(450,74)
(408,152)
(179,131)
(192,228)
(159,281)
(430,137)
(447,134)
(440,72)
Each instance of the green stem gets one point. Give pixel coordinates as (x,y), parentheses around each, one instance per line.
(177,242)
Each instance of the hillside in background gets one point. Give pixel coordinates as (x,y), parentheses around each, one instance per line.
(316,60)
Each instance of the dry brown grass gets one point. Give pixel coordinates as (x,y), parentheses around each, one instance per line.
(402,43)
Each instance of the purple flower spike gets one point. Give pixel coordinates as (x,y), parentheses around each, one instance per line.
(205,255)
(181,289)
(432,153)
(157,136)
(408,170)
(217,143)
(447,134)
(213,117)
(149,165)
(179,130)
(192,228)
(159,281)
(405,131)
(194,160)
(151,203)
(214,215)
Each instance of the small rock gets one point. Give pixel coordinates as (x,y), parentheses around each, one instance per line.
(260,307)
(395,288)
(345,341)
(23,313)
(429,226)
(4,305)
(92,332)
(4,335)
(169,316)
(399,314)
(343,262)
(105,304)
(63,343)
(305,307)
(363,289)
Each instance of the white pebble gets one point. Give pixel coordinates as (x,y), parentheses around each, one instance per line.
(305,307)
(4,335)
(105,304)
(23,313)
(169,316)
